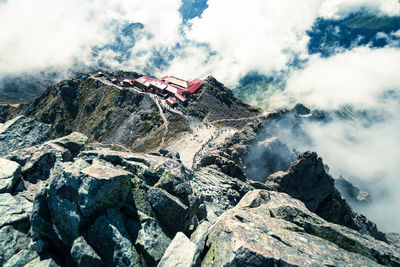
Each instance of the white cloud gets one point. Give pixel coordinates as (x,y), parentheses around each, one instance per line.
(356,77)
(341,8)
(58,33)
(362,149)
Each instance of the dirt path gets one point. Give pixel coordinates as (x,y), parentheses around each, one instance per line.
(152,97)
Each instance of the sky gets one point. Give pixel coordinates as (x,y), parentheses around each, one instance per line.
(228,40)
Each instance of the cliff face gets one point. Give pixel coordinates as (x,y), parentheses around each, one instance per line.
(216,189)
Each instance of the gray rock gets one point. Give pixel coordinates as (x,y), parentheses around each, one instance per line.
(21,258)
(40,219)
(181,252)
(38,161)
(22,132)
(152,239)
(272,229)
(45,262)
(216,191)
(305,180)
(11,242)
(62,201)
(74,142)
(13,209)
(352,193)
(170,210)
(39,246)
(308,181)
(9,174)
(84,255)
(199,236)
(102,187)
(110,238)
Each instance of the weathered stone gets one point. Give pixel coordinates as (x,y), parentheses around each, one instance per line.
(11,242)
(74,142)
(62,201)
(84,255)
(181,252)
(39,246)
(13,209)
(9,174)
(38,161)
(103,187)
(21,258)
(269,228)
(22,132)
(152,239)
(213,187)
(351,192)
(109,237)
(40,219)
(305,180)
(199,236)
(170,210)
(45,262)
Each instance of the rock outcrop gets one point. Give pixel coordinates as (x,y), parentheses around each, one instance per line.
(272,229)
(308,181)
(22,132)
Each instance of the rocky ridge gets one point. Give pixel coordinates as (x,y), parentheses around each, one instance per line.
(69,201)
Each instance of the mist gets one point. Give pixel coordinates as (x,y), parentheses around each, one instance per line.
(363,146)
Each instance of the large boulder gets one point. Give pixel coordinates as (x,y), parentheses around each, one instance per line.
(38,161)
(109,236)
(269,228)
(81,190)
(84,255)
(12,241)
(13,209)
(9,174)
(22,132)
(170,210)
(181,252)
(152,239)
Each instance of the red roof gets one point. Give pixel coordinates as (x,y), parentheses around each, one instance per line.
(181,97)
(193,88)
(171,100)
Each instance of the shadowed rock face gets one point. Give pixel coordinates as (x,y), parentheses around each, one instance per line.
(307,180)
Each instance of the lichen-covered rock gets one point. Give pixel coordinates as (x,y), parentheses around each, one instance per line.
(109,236)
(9,174)
(84,255)
(102,187)
(74,142)
(22,132)
(270,228)
(152,239)
(170,210)
(81,190)
(218,191)
(11,242)
(181,252)
(13,209)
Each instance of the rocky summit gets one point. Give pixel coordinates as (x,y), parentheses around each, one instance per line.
(96,174)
